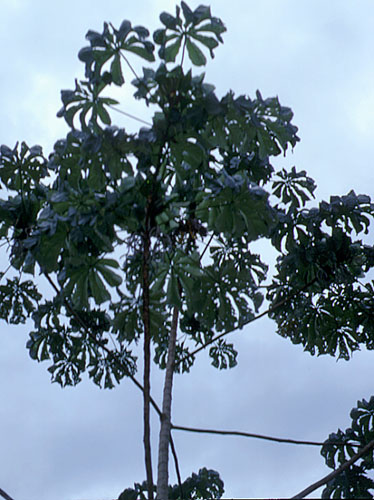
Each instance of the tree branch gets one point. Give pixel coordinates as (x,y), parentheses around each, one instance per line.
(129,115)
(265,313)
(206,247)
(252,435)
(336,472)
(192,429)
(5,495)
(173,450)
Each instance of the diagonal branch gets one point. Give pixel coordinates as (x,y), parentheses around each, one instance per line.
(129,115)
(251,320)
(5,495)
(336,472)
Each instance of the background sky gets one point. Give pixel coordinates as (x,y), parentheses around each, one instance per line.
(84,443)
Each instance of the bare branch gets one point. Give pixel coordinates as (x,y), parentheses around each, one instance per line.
(173,450)
(129,115)
(206,247)
(5,495)
(252,435)
(336,472)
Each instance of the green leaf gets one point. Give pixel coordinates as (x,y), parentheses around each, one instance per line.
(141,51)
(98,290)
(208,41)
(110,276)
(169,21)
(202,12)
(216,27)
(187,12)
(103,114)
(173,296)
(124,30)
(196,56)
(172,50)
(116,71)
(80,295)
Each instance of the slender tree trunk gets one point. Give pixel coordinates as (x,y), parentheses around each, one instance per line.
(163,446)
(147,368)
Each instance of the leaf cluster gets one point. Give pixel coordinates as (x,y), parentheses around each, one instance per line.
(354,482)
(198,184)
(203,485)
(322,300)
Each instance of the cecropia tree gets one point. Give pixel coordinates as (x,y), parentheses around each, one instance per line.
(144,235)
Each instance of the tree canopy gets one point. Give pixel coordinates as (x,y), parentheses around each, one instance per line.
(143,235)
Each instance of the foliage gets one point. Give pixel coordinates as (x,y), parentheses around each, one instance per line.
(127,227)
(353,482)
(204,485)
(194,180)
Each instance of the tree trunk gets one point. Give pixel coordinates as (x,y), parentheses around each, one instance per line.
(147,369)
(163,446)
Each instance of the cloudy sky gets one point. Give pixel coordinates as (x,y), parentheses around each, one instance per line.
(84,443)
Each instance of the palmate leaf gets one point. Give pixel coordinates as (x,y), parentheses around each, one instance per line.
(22,167)
(294,188)
(18,300)
(176,32)
(83,280)
(223,355)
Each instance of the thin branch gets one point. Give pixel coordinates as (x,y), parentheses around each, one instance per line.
(184,48)
(5,495)
(129,65)
(129,115)
(251,435)
(336,472)
(251,320)
(206,247)
(6,270)
(176,466)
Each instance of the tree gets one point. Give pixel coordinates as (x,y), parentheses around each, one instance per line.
(184,198)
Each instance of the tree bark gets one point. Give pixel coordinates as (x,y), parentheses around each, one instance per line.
(147,368)
(163,446)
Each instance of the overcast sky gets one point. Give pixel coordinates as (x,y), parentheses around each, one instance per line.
(84,443)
